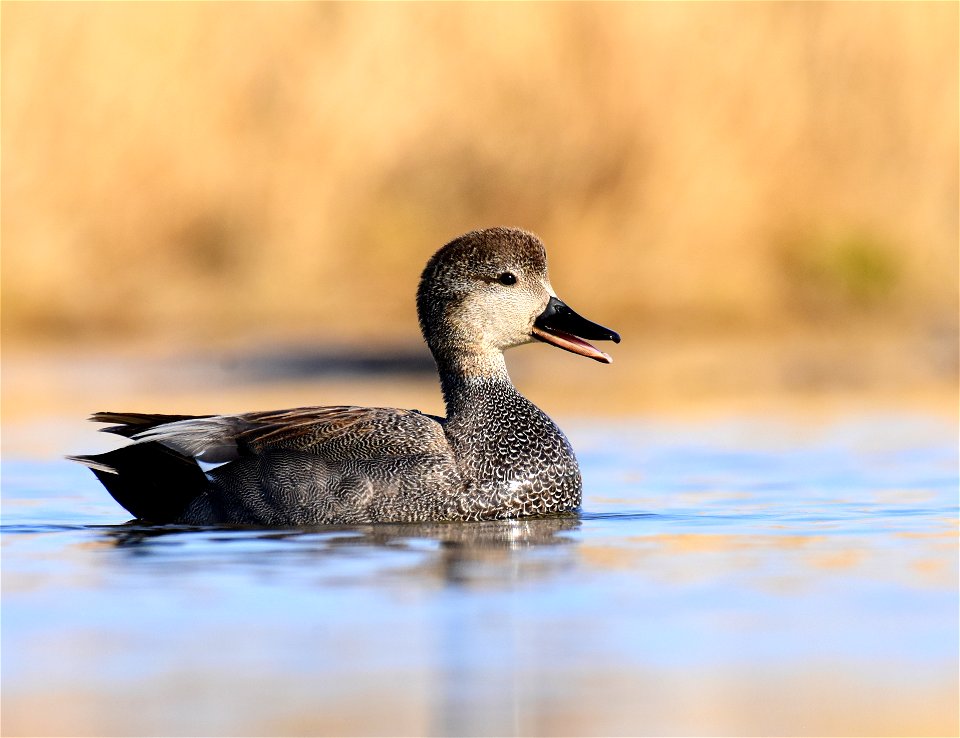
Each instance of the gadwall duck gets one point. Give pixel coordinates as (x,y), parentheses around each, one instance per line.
(495,455)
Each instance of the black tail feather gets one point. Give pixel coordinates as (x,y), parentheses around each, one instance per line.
(153,482)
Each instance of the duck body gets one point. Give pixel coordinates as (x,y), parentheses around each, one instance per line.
(495,455)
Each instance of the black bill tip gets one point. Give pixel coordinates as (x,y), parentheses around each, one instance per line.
(562,327)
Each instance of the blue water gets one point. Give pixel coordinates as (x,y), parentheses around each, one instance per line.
(751,576)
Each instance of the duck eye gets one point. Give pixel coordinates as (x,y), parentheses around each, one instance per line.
(507,278)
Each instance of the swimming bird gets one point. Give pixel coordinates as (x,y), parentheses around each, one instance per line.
(495,455)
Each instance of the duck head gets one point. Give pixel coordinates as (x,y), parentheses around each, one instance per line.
(488,291)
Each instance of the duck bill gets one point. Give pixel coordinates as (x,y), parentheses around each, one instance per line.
(560,326)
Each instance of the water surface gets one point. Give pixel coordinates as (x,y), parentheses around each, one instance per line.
(750,576)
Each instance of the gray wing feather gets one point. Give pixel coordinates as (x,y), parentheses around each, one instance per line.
(337,433)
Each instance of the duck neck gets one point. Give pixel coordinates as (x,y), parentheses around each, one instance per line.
(470,377)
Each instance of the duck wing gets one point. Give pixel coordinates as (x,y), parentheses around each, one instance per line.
(337,433)
(299,466)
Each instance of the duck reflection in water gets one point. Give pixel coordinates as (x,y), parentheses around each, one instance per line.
(479,553)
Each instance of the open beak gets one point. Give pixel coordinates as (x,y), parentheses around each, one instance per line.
(562,327)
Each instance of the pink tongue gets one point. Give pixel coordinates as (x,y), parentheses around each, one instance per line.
(572,343)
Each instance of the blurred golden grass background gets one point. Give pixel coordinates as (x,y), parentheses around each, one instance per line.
(184,173)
